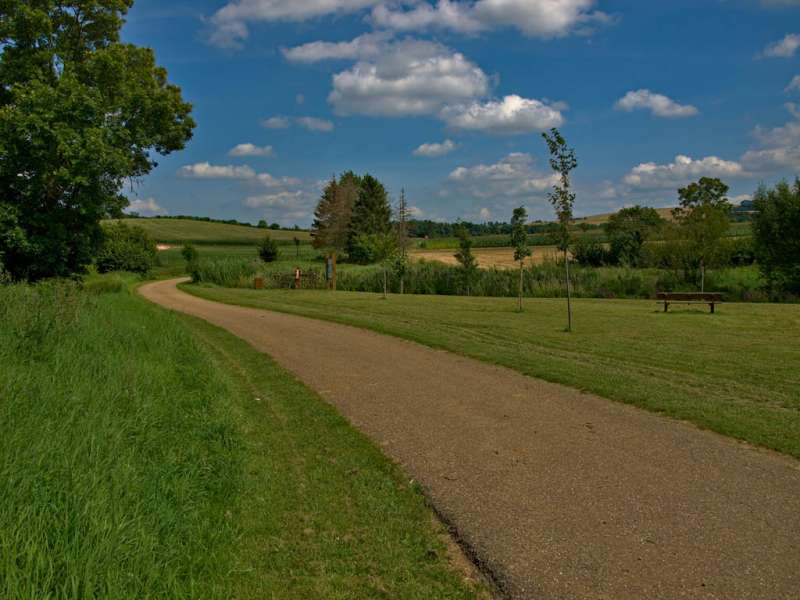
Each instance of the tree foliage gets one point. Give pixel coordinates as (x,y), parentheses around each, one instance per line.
(80,114)
(126,248)
(563,162)
(267,249)
(465,258)
(776,233)
(519,241)
(629,229)
(372,213)
(703,218)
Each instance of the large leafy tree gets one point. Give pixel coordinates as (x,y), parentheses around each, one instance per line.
(776,233)
(629,229)
(80,115)
(703,217)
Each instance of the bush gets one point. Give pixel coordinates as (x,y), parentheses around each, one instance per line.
(362,250)
(190,253)
(268,250)
(590,253)
(126,248)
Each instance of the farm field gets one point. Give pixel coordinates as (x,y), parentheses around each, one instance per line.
(502,258)
(172,262)
(735,372)
(151,455)
(179,231)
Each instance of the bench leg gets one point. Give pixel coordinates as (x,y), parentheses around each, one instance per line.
(666,306)
(712,308)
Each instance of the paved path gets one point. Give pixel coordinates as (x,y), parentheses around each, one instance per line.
(559,494)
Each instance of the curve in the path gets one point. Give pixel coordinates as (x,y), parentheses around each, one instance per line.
(559,494)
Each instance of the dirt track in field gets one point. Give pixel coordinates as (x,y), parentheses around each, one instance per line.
(556,493)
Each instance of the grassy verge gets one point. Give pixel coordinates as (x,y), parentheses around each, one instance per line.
(735,372)
(149,455)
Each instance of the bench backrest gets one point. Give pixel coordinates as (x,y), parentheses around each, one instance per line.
(690,296)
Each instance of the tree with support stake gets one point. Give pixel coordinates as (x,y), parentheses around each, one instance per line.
(403,242)
(519,240)
(563,162)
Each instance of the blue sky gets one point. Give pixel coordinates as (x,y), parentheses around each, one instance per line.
(447,99)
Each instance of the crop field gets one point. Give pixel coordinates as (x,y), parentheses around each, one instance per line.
(734,372)
(150,455)
(289,256)
(502,258)
(179,231)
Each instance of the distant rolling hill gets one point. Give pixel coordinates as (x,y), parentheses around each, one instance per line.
(180,231)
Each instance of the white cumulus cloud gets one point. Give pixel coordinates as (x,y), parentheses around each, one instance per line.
(145,207)
(205,170)
(658,104)
(781,146)
(315,124)
(512,176)
(283,199)
(364,46)
(411,77)
(249,149)
(435,149)
(511,115)
(310,123)
(231,22)
(680,172)
(783,48)
(275,123)
(536,18)
(794,85)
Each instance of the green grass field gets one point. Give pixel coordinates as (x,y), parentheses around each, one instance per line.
(736,372)
(149,455)
(179,231)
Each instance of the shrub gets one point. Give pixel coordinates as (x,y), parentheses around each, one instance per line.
(590,253)
(126,248)
(190,253)
(268,250)
(362,250)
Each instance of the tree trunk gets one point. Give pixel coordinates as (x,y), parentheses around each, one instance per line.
(520,284)
(402,284)
(702,276)
(569,293)
(384,282)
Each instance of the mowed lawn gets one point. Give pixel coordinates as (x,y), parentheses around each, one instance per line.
(178,231)
(149,455)
(736,372)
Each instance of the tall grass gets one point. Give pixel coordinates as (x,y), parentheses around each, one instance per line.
(118,461)
(541,281)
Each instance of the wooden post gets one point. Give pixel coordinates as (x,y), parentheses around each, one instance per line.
(258,283)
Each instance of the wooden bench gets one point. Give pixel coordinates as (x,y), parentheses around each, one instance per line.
(710,298)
